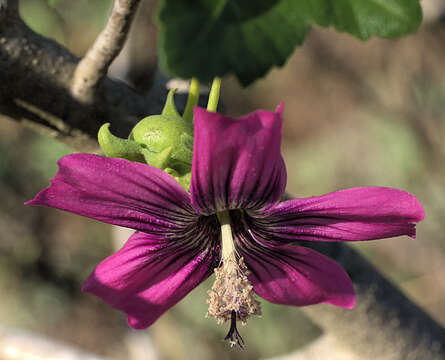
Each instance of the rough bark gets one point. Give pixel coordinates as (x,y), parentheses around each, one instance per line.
(384,324)
(94,65)
(36,76)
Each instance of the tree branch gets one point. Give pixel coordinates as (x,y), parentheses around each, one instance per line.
(35,88)
(384,324)
(93,67)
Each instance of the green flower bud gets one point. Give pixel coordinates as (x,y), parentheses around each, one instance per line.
(113,146)
(164,141)
(167,139)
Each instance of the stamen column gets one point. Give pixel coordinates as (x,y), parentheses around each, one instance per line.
(231,297)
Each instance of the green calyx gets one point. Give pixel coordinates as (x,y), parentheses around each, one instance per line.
(164,141)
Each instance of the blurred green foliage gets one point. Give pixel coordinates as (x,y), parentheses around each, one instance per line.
(372,151)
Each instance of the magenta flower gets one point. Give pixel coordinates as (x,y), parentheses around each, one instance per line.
(231,223)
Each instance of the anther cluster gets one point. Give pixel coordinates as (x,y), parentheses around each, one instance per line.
(232,291)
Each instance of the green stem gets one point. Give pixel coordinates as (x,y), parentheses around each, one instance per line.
(192,100)
(212,105)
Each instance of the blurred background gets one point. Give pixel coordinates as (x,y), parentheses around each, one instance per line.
(356,113)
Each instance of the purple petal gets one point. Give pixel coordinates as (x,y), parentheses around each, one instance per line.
(237,163)
(119,192)
(296,275)
(365,213)
(149,275)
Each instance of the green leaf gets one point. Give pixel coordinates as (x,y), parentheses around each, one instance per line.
(208,38)
(365,18)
